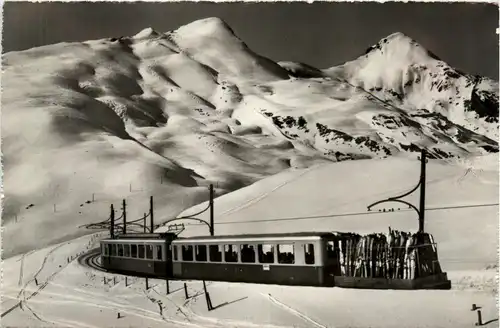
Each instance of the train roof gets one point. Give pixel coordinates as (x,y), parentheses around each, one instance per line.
(140,235)
(134,241)
(154,237)
(305,235)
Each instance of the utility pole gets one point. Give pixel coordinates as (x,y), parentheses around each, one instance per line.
(210,225)
(211,209)
(421,220)
(421,183)
(112,226)
(151,213)
(124,205)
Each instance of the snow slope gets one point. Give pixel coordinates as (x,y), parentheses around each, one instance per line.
(303,199)
(334,197)
(87,124)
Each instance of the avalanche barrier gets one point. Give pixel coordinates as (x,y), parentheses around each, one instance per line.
(397,260)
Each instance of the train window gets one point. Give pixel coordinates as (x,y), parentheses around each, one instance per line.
(158,252)
(247,254)
(231,253)
(201,253)
(330,250)
(107,247)
(176,257)
(126,250)
(120,250)
(286,254)
(266,253)
(187,253)
(133,250)
(140,251)
(149,252)
(215,253)
(309,253)
(113,250)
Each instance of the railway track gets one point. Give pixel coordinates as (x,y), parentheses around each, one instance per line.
(92,259)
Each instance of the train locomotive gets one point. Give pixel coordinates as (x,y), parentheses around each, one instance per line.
(305,258)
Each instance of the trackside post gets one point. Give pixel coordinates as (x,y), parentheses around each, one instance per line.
(124,205)
(211,209)
(479,318)
(112,219)
(151,217)
(207,297)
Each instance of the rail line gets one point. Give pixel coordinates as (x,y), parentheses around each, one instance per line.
(92,259)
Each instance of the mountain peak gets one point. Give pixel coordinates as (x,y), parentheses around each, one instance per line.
(401,45)
(212,42)
(213,26)
(146,33)
(399,36)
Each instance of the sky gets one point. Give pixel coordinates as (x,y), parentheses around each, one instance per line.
(320,34)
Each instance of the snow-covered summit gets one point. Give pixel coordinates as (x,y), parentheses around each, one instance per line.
(211,26)
(213,43)
(146,33)
(398,46)
(405,74)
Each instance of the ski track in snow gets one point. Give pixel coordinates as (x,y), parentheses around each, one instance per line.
(295,312)
(260,197)
(126,308)
(32,312)
(40,285)
(20,282)
(196,320)
(35,276)
(188,324)
(179,308)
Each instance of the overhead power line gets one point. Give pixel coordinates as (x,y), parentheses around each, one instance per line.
(301,218)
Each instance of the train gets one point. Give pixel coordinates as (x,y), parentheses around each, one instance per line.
(316,259)
(303,258)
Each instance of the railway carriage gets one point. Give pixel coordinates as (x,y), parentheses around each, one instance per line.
(307,258)
(140,254)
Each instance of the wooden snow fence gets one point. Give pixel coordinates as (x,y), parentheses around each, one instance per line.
(396,255)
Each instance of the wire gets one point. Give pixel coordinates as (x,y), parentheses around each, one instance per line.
(300,218)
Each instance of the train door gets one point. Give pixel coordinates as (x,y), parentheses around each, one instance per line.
(105,254)
(309,262)
(266,258)
(167,250)
(331,261)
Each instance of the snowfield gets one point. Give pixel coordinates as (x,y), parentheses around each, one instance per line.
(467,240)
(289,147)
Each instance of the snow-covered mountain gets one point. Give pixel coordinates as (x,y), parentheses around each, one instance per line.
(168,113)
